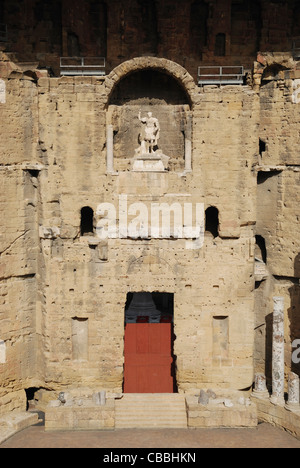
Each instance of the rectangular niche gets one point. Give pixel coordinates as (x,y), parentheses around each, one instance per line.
(125,133)
(220,337)
(79,339)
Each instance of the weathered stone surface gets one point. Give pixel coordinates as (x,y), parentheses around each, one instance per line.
(203,398)
(68,143)
(14,422)
(216,414)
(279,416)
(80,417)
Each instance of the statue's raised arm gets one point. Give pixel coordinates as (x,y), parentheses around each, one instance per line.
(142,119)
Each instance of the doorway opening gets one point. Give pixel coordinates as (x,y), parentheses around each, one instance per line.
(149,360)
(87,221)
(154,307)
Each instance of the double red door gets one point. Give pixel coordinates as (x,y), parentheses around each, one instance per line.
(148,358)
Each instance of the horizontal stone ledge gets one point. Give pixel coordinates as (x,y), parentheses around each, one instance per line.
(279,168)
(32,166)
(23,166)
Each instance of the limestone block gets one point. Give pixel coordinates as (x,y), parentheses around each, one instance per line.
(14,422)
(49,232)
(216,414)
(80,417)
(287,419)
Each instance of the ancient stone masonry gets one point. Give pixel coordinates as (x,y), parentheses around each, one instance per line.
(187,32)
(142,187)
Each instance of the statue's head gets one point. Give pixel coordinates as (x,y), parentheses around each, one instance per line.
(149,114)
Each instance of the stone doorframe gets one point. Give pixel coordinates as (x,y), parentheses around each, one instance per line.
(168,67)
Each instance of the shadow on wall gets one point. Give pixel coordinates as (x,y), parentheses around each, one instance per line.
(268,350)
(294,311)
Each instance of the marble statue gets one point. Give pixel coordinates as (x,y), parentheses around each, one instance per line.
(151,133)
(148,157)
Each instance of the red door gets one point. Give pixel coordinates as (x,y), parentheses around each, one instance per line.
(148,358)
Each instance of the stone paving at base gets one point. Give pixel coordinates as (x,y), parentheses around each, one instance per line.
(264,436)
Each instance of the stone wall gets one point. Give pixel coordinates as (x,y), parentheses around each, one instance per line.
(75,277)
(279,416)
(190,32)
(278,210)
(19,243)
(63,293)
(82,418)
(78,283)
(221,413)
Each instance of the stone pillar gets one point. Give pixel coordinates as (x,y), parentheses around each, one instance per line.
(2,92)
(188,145)
(109,149)
(293,392)
(103,398)
(188,155)
(260,387)
(2,352)
(99,398)
(278,352)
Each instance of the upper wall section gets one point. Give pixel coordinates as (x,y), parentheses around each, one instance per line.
(189,32)
(19,121)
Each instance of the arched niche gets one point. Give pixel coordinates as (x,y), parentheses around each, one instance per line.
(173,69)
(149,85)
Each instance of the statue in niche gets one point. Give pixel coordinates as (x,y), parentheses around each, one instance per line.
(148,157)
(151,133)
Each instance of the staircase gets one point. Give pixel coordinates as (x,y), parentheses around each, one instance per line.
(144,410)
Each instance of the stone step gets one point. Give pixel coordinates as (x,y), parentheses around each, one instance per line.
(147,417)
(154,415)
(153,422)
(163,420)
(154,409)
(151,425)
(154,402)
(151,411)
(159,397)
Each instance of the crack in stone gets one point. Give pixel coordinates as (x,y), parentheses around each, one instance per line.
(14,241)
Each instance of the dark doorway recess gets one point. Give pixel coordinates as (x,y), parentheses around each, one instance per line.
(87,221)
(220,45)
(150,363)
(212,221)
(261,250)
(32,404)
